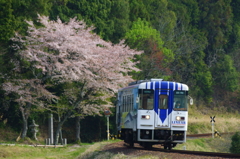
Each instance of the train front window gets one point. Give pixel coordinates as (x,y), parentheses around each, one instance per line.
(180,101)
(146,99)
(163,102)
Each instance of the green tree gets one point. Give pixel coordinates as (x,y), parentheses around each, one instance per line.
(201,80)
(7,20)
(28,10)
(161,18)
(156,58)
(120,11)
(187,11)
(216,23)
(138,10)
(93,12)
(60,9)
(235,143)
(234,46)
(235,5)
(226,76)
(188,43)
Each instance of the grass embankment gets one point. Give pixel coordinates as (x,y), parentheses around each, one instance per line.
(199,122)
(28,152)
(93,151)
(68,152)
(210,144)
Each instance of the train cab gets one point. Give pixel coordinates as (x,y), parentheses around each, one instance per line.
(153,112)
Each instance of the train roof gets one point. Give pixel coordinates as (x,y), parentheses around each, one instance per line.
(156,84)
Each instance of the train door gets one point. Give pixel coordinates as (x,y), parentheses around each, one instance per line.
(162,108)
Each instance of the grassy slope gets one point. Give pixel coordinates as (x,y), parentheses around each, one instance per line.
(207,144)
(28,152)
(92,151)
(199,122)
(69,152)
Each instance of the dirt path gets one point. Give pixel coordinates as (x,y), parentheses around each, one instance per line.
(119,147)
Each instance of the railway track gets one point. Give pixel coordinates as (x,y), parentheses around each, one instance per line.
(212,154)
(208,135)
(194,153)
(158,150)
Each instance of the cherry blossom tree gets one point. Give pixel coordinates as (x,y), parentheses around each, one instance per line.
(30,92)
(71,52)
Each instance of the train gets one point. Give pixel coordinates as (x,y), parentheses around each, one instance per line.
(150,112)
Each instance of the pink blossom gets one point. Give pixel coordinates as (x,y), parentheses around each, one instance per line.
(72,52)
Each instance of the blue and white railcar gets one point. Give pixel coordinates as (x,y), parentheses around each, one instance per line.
(146,113)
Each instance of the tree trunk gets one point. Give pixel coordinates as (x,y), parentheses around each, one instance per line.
(24,128)
(58,130)
(59,127)
(78,131)
(25,124)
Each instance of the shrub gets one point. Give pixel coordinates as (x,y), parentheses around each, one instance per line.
(235,143)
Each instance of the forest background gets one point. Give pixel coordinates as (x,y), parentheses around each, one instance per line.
(196,42)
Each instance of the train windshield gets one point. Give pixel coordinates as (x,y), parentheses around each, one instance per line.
(146,98)
(180,101)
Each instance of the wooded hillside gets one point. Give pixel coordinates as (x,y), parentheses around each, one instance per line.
(196,42)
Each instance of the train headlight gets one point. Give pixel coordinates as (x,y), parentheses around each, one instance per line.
(178,118)
(145,116)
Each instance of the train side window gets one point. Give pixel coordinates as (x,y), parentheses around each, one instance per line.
(163,102)
(127,103)
(131,103)
(124,103)
(146,99)
(125,110)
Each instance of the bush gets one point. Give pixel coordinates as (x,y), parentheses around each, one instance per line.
(235,143)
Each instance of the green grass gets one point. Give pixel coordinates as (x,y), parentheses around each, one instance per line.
(199,122)
(204,144)
(27,152)
(93,150)
(207,144)
(68,152)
